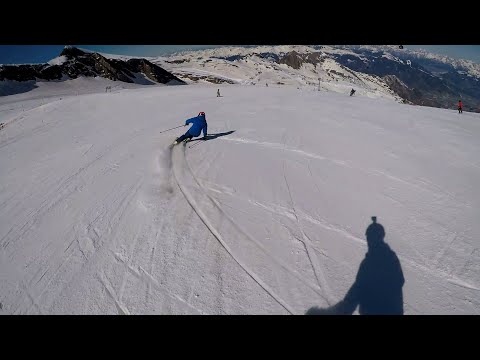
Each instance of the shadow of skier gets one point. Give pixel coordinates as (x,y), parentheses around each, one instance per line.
(378,286)
(214,136)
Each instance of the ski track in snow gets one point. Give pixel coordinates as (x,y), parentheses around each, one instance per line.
(316,266)
(244,235)
(431,271)
(278,146)
(215,233)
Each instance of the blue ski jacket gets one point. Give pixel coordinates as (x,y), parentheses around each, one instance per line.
(199,123)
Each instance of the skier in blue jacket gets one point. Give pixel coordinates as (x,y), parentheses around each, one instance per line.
(199,123)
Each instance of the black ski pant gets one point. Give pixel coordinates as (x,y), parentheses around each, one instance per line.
(184,136)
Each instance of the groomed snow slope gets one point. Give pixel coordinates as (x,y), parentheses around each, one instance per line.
(98,216)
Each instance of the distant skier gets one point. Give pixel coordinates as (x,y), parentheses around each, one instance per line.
(352,92)
(218,92)
(460,106)
(199,124)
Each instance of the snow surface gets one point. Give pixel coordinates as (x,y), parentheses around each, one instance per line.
(99,216)
(58,60)
(43,92)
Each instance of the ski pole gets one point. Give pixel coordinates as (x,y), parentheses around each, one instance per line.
(171,129)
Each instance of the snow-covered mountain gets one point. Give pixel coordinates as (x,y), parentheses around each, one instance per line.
(468,66)
(402,75)
(73,63)
(416,77)
(302,67)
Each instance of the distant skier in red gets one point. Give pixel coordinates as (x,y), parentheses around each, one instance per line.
(460,106)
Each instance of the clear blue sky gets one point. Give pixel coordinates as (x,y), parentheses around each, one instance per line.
(18,54)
